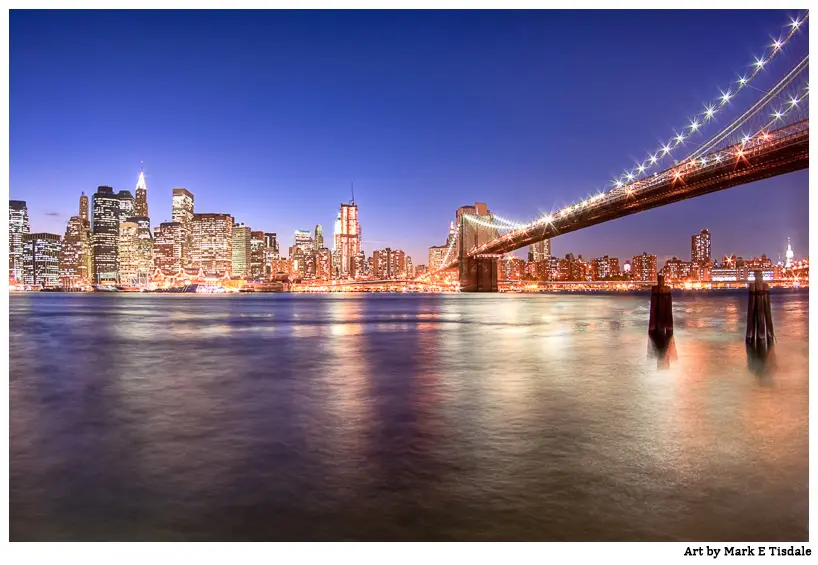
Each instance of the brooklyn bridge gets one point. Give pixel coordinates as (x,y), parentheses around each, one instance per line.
(770,137)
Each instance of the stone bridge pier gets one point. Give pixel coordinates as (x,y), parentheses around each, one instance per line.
(479,273)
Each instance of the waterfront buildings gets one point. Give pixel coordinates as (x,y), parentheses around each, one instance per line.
(256,270)
(167,247)
(700,248)
(643,267)
(41,259)
(18,227)
(76,266)
(388,264)
(241,250)
(127,253)
(512,268)
(106,235)
(539,251)
(212,242)
(605,267)
(182,213)
(437,253)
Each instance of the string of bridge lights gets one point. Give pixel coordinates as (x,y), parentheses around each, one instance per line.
(710,110)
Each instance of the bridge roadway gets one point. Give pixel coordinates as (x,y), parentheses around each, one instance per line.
(784,150)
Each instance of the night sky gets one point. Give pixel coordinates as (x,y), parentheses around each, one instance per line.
(269,116)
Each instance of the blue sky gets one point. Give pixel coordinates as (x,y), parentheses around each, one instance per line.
(269,116)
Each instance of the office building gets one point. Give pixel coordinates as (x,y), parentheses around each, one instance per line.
(512,268)
(677,270)
(303,240)
(409,270)
(643,267)
(271,253)
(182,213)
(167,247)
(323,264)
(144,249)
(76,265)
(348,241)
(84,208)
(319,237)
(700,248)
(127,254)
(41,259)
(18,226)
(437,253)
(388,264)
(241,251)
(140,204)
(126,205)
(212,243)
(605,267)
(257,270)
(105,239)
(540,251)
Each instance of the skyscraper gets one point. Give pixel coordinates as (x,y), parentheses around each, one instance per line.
(789,255)
(183,214)
(700,248)
(436,255)
(41,259)
(241,250)
(388,264)
(106,235)
(348,239)
(323,264)
(84,208)
(256,270)
(144,249)
(127,254)
(643,267)
(319,237)
(141,201)
(167,247)
(212,242)
(18,226)
(126,205)
(271,253)
(76,267)
(540,251)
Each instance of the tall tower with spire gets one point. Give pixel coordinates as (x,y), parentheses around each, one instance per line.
(789,255)
(140,205)
(84,207)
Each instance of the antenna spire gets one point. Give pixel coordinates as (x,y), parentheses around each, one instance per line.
(352,184)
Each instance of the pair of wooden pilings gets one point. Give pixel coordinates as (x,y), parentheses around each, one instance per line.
(661,310)
(759,314)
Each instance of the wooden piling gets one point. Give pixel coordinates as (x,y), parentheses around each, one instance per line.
(760,331)
(661,310)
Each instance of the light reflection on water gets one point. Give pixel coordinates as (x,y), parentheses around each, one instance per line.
(464,417)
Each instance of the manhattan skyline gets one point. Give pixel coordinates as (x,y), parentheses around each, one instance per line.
(484,108)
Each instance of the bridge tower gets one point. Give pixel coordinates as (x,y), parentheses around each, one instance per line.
(477,273)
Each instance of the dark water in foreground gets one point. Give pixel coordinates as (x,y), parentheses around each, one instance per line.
(395,417)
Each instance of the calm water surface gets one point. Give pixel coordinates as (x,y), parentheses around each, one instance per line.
(403,417)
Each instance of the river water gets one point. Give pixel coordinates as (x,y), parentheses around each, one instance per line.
(404,417)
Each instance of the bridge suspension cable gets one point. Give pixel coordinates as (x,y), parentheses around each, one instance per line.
(710,110)
(752,111)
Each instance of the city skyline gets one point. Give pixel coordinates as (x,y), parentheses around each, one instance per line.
(253,144)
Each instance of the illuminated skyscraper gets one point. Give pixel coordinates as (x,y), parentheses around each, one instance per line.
(144,249)
(127,254)
(789,255)
(84,208)
(700,248)
(126,205)
(18,226)
(323,264)
(388,264)
(540,251)
(256,271)
(167,247)
(303,240)
(436,255)
(212,237)
(348,239)
(643,267)
(271,253)
(241,250)
(141,201)
(106,235)
(319,237)
(41,259)
(76,265)
(182,213)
